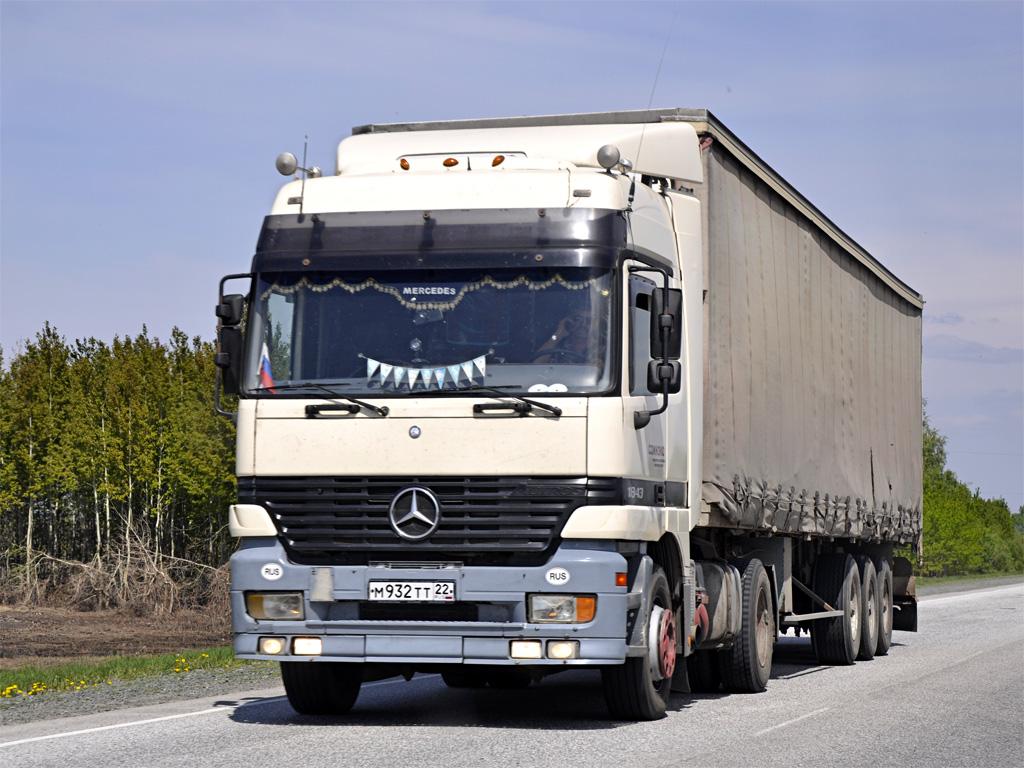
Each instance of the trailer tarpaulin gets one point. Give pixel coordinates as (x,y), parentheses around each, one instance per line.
(812,417)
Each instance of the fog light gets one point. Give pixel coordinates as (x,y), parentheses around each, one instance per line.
(271,646)
(563,649)
(562,609)
(307,646)
(280,606)
(525,649)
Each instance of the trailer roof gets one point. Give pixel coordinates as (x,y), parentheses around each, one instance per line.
(704,123)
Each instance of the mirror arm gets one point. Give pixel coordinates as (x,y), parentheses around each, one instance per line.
(233,415)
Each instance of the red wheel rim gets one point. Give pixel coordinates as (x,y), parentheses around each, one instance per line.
(667,644)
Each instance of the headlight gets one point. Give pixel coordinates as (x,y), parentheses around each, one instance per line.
(280,606)
(562,609)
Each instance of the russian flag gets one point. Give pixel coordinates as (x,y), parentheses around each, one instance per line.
(266,377)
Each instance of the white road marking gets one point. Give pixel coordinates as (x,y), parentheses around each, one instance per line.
(790,722)
(175,717)
(117,725)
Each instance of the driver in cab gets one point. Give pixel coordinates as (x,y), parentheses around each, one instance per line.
(570,343)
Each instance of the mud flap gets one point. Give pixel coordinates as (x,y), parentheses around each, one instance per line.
(904,616)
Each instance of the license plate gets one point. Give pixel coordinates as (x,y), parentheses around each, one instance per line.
(410,591)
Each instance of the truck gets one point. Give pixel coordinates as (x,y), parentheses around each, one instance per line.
(588,391)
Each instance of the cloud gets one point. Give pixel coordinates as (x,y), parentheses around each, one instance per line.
(950,318)
(945,347)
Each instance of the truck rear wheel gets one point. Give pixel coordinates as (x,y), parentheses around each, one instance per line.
(869,609)
(636,690)
(321,689)
(883,577)
(747,666)
(837,582)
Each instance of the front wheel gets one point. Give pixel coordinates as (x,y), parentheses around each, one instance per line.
(639,688)
(328,688)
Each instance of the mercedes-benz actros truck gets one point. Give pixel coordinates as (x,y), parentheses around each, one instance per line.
(604,391)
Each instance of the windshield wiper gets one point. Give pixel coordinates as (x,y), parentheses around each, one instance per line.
(313,410)
(479,407)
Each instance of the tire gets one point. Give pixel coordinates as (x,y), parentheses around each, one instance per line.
(702,672)
(464,678)
(329,688)
(883,577)
(632,690)
(837,582)
(870,607)
(747,666)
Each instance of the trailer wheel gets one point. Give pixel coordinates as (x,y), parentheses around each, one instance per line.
(883,577)
(747,666)
(464,678)
(321,689)
(639,688)
(869,609)
(702,672)
(837,582)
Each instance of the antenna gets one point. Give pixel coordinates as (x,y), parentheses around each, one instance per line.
(657,75)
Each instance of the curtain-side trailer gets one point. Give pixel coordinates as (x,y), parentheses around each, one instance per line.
(517,396)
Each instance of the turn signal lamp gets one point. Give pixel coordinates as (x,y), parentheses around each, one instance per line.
(526,649)
(272,646)
(307,646)
(450,162)
(620,580)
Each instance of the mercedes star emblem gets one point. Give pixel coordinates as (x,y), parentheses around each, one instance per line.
(415,513)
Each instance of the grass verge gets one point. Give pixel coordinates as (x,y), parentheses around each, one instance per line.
(935,581)
(30,681)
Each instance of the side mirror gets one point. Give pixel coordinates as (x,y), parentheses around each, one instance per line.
(229,357)
(230,309)
(659,373)
(671,318)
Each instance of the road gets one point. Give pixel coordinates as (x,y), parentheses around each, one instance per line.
(950,695)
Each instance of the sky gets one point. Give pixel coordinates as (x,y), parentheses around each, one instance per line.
(137,146)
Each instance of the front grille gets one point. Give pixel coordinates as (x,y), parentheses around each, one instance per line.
(484,520)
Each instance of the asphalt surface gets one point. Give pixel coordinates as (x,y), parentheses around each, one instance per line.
(949,695)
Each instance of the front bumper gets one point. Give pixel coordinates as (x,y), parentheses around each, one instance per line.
(336,606)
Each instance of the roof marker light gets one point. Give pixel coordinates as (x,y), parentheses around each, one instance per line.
(498,160)
(404,163)
(451,162)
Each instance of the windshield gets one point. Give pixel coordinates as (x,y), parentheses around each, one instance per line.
(400,333)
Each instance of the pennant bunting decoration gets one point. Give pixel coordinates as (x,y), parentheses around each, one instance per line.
(428,377)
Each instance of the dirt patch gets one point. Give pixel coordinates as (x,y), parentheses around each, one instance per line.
(49,637)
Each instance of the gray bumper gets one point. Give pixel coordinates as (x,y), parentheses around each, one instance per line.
(332,597)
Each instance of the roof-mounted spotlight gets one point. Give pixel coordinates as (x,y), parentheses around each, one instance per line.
(287,164)
(609,157)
